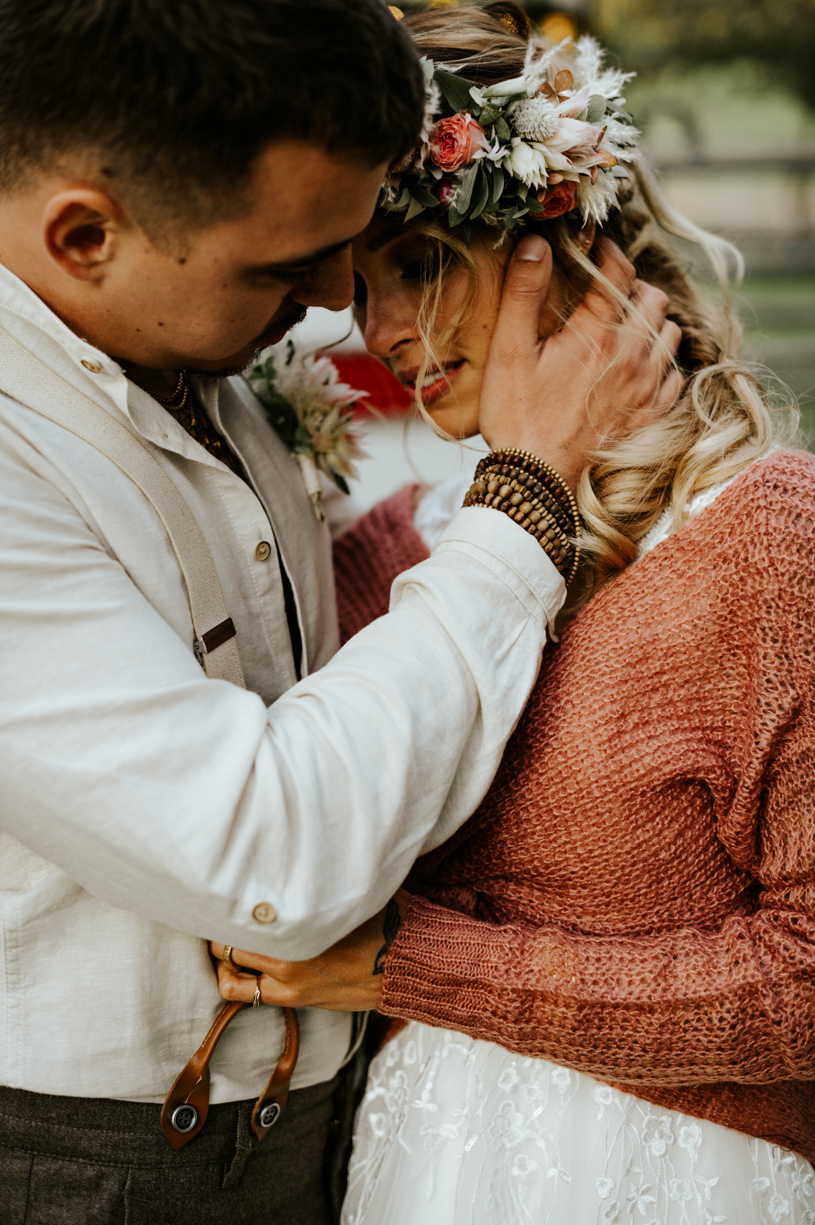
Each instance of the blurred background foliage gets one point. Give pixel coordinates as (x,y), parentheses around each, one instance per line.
(725,97)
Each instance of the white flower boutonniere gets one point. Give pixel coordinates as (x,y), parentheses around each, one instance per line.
(311,410)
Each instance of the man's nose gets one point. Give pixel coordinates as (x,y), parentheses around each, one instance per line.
(330,284)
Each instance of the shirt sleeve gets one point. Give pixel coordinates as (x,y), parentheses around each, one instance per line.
(186,799)
(696,1006)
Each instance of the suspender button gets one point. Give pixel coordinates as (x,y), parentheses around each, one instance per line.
(264,912)
(263,550)
(269,1115)
(184,1118)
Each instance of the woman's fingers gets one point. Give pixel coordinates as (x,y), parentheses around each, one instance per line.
(234,985)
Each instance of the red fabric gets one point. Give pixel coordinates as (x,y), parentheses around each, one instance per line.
(369,557)
(635,897)
(365,373)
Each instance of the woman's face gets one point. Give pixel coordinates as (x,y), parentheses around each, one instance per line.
(389,264)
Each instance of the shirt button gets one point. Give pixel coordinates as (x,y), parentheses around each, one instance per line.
(94,367)
(263,550)
(264,912)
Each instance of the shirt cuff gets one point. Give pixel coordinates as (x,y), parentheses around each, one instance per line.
(512,555)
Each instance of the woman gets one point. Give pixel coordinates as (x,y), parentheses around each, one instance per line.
(608,972)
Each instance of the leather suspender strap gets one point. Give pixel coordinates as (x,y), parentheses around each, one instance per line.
(186,1106)
(29,381)
(26,379)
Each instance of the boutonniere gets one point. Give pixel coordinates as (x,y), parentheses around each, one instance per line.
(311,410)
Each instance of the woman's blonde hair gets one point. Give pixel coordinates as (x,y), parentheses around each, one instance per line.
(723,420)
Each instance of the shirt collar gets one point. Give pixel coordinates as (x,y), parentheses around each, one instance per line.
(97,374)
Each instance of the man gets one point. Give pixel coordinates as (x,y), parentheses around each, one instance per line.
(178,183)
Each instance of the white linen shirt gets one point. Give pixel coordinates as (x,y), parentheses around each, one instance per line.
(144,807)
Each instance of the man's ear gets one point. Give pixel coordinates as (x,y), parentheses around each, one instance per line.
(81,230)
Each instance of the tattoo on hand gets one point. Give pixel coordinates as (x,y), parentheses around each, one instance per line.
(390,926)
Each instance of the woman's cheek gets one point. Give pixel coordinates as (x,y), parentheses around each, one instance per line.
(457,413)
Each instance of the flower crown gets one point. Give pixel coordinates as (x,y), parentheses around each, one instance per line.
(546,144)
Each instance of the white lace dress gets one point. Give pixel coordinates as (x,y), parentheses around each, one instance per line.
(456,1131)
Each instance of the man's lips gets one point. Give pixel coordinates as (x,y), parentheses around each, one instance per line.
(436,382)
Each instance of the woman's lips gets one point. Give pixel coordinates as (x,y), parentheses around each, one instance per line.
(436,383)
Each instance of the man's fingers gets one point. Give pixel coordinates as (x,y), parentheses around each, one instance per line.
(620,273)
(648,309)
(525,287)
(664,350)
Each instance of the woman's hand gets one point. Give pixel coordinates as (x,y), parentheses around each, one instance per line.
(604,373)
(345,978)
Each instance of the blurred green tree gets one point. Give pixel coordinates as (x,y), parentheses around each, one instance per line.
(778,35)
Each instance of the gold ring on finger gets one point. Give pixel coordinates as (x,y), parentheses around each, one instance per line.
(228,957)
(256,997)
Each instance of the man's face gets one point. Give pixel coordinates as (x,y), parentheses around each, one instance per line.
(239,285)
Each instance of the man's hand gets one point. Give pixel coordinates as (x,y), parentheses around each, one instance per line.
(345,978)
(606,372)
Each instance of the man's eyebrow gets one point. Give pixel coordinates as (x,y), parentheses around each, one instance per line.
(384,237)
(305,261)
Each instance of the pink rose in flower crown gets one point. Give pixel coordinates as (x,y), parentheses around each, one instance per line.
(555,201)
(456,141)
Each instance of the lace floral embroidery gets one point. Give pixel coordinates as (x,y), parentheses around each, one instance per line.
(453,1131)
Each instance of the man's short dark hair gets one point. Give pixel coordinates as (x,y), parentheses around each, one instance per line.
(174,99)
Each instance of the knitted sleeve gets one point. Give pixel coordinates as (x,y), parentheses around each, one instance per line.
(368,557)
(693,1006)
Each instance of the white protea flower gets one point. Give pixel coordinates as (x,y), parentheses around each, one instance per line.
(526,163)
(534,118)
(596,200)
(311,410)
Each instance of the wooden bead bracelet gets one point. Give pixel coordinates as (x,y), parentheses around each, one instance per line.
(535,497)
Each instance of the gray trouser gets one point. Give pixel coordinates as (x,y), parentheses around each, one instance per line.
(92,1161)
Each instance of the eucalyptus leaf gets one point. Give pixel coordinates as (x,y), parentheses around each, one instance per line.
(456,91)
(497,183)
(465,191)
(596,108)
(340,482)
(502,129)
(416,207)
(454,218)
(424,197)
(481,195)
(489,115)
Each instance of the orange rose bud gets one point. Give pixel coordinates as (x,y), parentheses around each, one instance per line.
(555,201)
(456,141)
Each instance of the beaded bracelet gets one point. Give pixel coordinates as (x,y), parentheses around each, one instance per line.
(536,497)
(559,547)
(520,483)
(540,470)
(540,509)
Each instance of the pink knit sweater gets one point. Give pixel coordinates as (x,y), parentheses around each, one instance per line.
(635,897)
